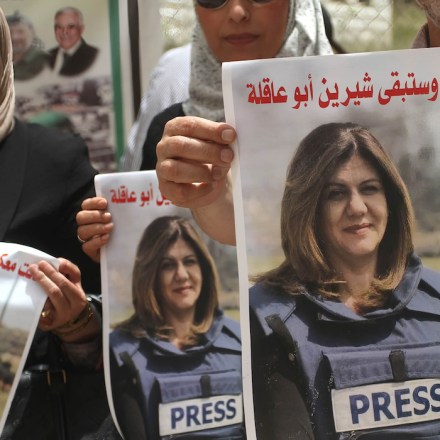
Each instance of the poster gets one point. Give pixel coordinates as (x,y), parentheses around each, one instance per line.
(135,202)
(78,72)
(21,303)
(274,104)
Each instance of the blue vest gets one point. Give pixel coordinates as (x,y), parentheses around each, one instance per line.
(370,377)
(190,394)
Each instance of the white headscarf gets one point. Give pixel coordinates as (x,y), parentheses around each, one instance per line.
(305,35)
(7,93)
(432,10)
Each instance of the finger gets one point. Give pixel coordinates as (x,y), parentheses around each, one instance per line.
(93,246)
(87,217)
(89,231)
(47,315)
(200,128)
(191,195)
(94,203)
(69,270)
(193,149)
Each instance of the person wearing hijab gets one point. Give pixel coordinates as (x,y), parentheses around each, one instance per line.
(429,33)
(189,139)
(238,30)
(44,176)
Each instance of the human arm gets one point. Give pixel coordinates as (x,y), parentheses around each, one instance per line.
(68,314)
(94,226)
(193,163)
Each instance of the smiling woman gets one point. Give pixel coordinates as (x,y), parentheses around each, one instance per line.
(350,319)
(176,363)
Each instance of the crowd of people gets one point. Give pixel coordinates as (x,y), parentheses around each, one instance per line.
(350,295)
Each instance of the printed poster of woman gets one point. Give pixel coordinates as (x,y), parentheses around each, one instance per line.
(275,105)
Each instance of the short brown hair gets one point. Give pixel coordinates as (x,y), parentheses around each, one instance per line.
(318,156)
(156,240)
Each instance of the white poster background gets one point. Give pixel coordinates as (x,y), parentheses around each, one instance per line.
(21,302)
(274,104)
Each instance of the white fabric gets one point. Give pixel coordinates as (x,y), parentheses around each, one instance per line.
(170,79)
(305,35)
(422,38)
(7,92)
(432,10)
(168,85)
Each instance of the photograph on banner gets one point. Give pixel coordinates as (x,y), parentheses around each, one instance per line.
(172,348)
(333,156)
(21,302)
(67,70)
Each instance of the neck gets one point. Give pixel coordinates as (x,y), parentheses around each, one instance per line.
(358,277)
(182,327)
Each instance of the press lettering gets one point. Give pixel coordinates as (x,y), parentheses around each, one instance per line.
(400,402)
(232,411)
(191,415)
(207,412)
(177,415)
(219,409)
(418,398)
(435,394)
(359,404)
(381,402)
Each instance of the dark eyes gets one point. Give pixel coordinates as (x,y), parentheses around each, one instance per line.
(340,193)
(172,264)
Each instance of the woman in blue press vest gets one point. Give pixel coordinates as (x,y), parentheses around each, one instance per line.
(176,362)
(350,318)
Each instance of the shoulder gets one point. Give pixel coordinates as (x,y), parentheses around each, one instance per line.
(171,112)
(265,301)
(432,278)
(88,48)
(122,342)
(232,327)
(53,141)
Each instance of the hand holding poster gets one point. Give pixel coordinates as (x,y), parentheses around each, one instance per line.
(336,355)
(172,356)
(21,303)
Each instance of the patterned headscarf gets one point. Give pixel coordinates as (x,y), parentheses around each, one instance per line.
(432,10)
(305,35)
(7,93)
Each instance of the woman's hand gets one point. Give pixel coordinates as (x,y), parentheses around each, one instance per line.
(193,159)
(94,226)
(193,162)
(66,302)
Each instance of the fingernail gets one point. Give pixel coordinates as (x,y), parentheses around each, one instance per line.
(228,135)
(226,155)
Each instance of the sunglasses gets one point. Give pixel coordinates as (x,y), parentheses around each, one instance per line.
(217,4)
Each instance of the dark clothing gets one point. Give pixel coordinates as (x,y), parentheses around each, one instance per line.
(358,375)
(45,174)
(78,62)
(156,386)
(30,65)
(154,135)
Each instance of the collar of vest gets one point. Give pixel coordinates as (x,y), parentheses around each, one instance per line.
(266,301)
(223,334)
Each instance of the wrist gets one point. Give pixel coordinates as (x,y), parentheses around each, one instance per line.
(82,328)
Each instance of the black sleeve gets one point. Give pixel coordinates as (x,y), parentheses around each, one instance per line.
(280,412)
(154,135)
(126,401)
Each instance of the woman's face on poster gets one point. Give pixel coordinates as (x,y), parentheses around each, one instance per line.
(245,30)
(354,213)
(180,278)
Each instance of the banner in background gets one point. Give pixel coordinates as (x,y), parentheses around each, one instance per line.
(92,91)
